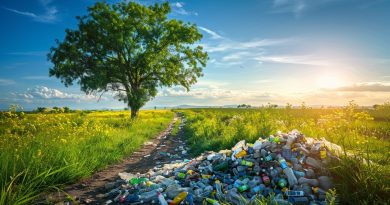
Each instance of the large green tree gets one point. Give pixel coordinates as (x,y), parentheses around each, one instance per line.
(128,49)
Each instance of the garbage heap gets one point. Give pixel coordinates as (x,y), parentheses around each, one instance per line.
(288,167)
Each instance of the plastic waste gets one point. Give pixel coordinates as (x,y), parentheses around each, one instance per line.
(161,199)
(149,196)
(212,201)
(179,198)
(189,199)
(325,182)
(311,182)
(289,168)
(313,163)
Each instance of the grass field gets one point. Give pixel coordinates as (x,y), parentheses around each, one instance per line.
(41,151)
(38,152)
(364,134)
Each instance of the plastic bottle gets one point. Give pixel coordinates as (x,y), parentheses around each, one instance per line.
(136,181)
(299,174)
(283,163)
(266,179)
(189,199)
(221,166)
(286,152)
(325,182)
(313,162)
(323,153)
(291,193)
(292,180)
(132,198)
(181,175)
(123,197)
(257,145)
(161,199)
(268,158)
(273,172)
(312,182)
(179,198)
(218,188)
(212,201)
(258,189)
(282,183)
(298,200)
(149,196)
(243,188)
(241,154)
(233,196)
(246,163)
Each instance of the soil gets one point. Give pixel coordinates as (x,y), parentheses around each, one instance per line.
(90,190)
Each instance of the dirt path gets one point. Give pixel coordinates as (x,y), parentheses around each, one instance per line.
(152,153)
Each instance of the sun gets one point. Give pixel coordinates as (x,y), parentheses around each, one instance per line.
(329,81)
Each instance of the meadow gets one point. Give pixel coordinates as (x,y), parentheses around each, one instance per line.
(362,176)
(39,152)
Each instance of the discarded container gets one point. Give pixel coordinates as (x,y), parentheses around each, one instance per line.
(179,198)
(286,166)
(161,199)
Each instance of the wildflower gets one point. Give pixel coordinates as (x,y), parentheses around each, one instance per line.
(39,153)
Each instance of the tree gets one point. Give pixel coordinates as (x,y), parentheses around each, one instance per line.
(129,49)
(66,109)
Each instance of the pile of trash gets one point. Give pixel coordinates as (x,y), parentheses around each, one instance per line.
(288,167)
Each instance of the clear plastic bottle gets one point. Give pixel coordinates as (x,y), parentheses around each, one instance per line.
(233,196)
(292,180)
(312,182)
(218,188)
(151,195)
(161,199)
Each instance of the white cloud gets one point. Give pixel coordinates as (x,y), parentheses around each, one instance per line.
(213,34)
(178,8)
(6,82)
(228,45)
(235,56)
(212,92)
(366,87)
(179,4)
(290,59)
(45,93)
(49,15)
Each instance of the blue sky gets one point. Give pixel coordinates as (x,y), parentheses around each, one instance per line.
(322,52)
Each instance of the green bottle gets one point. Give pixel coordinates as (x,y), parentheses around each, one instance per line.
(221,166)
(243,188)
(136,181)
(282,183)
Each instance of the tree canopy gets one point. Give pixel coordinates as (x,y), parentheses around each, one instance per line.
(129,49)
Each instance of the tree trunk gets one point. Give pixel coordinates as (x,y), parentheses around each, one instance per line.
(134,113)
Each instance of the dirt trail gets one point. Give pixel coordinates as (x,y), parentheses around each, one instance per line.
(91,189)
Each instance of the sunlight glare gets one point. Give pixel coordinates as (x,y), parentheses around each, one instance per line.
(329,81)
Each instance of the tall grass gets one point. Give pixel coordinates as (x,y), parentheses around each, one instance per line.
(363,174)
(38,152)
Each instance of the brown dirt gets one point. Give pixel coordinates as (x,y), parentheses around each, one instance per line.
(90,190)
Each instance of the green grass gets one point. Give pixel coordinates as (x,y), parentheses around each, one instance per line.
(175,129)
(365,134)
(39,152)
